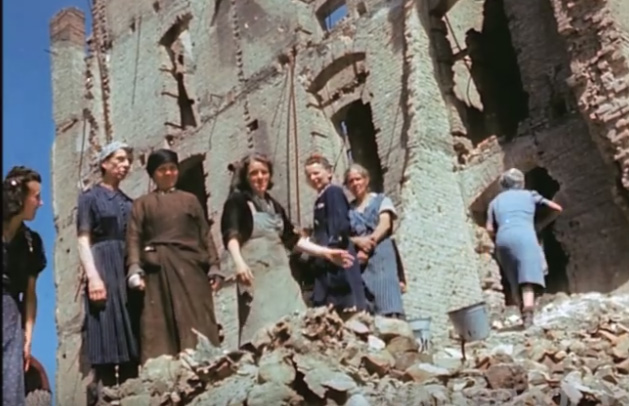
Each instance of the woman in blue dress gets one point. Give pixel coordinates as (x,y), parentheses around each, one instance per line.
(511,219)
(371,217)
(23,259)
(344,289)
(102,216)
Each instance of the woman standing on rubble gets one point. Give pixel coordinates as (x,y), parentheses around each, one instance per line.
(342,288)
(371,217)
(510,218)
(101,222)
(172,258)
(257,232)
(23,259)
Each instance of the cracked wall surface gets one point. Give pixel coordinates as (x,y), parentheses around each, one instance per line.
(458,92)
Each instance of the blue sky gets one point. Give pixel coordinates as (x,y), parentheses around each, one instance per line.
(28,132)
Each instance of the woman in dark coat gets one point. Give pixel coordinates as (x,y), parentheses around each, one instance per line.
(101,223)
(257,232)
(172,258)
(342,288)
(23,259)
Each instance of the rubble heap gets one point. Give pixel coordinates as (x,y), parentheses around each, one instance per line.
(578,351)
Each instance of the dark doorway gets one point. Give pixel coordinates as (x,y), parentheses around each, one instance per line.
(192,180)
(496,72)
(355,124)
(539,180)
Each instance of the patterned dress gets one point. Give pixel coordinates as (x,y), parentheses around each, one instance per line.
(381,271)
(334,285)
(103,213)
(22,258)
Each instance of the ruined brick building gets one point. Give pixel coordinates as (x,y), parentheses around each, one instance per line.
(435,97)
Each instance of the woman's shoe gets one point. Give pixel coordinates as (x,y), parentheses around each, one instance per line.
(527,317)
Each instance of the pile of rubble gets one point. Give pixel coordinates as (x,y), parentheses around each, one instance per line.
(577,354)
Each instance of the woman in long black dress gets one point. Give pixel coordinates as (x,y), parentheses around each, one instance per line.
(342,288)
(101,226)
(23,259)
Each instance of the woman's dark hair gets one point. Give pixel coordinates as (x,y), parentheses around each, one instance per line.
(240,181)
(318,159)
(15,190)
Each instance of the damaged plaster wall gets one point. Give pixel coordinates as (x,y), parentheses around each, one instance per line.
(213,80)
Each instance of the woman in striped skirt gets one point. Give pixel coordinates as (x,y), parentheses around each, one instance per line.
(371,217)
(101,227)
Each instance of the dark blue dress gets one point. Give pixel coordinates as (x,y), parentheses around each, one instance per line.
(103,213)
(342,288)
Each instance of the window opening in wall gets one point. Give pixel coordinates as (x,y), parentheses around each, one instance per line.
(331,13)
(176,43)
(361,8)
(355,125)
(539,180)
(192,180)
(496,72)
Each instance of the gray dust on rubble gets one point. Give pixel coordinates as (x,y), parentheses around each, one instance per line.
(578,352)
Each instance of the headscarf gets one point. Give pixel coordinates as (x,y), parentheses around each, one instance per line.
(112,147)
(159,158)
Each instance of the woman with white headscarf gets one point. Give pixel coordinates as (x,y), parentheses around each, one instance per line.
(101,222)
(511,219)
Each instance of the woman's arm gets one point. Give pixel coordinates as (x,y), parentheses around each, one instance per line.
(552,216)
(30,309)
(489,224)
(233,247)
(387,214)
(337,213)
(134,237)
(383,229)
(85,223)
(207,240)
(30,294)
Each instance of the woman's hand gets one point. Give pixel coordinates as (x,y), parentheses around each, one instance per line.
(216,283)
(243,274)
(366,244)
(136,282)
(96,289)
(363,257)
(402,287)
(340,257)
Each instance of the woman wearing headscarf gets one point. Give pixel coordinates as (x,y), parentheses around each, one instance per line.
(344,289)
(101,221)
(257,232)
(23,259)
(172,258)
(371,216)
(511,220)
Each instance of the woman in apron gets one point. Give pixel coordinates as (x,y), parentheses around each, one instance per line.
(257,233)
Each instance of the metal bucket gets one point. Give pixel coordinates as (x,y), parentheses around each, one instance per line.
(421,330)
(472,322)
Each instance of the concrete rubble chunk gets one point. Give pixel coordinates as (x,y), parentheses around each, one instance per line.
(576,351)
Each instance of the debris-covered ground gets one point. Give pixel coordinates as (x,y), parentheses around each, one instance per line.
(578,351)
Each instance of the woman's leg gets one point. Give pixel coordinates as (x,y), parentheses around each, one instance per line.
(528,304)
